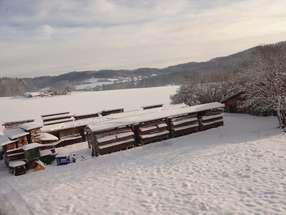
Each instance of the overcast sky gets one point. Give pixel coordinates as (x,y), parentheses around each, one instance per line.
(46,37)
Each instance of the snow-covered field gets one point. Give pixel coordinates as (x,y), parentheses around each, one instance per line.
(83,102)
(236,169)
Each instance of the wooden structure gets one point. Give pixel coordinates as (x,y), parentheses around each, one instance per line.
(7,144)
(57,118)
(34,130)
(152,131)
(138,128)
(67,135)
(211,118)
(15,124)
(110,140)
(184,124)
(233,102)
(17,167)
(32,151)
(18,135)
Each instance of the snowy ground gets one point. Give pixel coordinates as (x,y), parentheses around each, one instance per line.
(83,102)
(236,169)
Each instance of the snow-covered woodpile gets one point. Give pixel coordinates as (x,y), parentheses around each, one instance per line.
(184,124)
(105,133)
(147,126)
(34,130)
(211,118)
(57,118)
(67,135)
(15,124)
(152,131)
(110,140)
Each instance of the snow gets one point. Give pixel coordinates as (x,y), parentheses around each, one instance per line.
(14,133)
(133,117)
(31,146)
(18,108)
(30,126)
(48,137)
(4,140)
(16,163)
(236,169)
(239,168)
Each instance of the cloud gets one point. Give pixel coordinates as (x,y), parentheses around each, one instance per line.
(50,36)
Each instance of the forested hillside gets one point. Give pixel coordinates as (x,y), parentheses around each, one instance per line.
(215,70)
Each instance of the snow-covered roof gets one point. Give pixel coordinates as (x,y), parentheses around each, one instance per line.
(15,133)
(30,126)
(4,140)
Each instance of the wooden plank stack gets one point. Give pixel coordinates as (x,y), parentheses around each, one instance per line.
(184,124)
(110,140)
(142,129)
(57,118)
(34,131)
(15,124)
(152,131)
(70,135)
(211,118)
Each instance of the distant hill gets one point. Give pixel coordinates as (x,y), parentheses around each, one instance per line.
(211,70)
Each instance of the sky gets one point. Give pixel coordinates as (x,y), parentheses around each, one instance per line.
(49,37)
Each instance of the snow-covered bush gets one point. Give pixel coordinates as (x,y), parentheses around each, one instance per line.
(192,94)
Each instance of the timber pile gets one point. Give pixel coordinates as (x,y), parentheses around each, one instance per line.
(148,126)
(152,131)
(57,118)
(110,140)
(184,124)
(34,131)
(211,118)
(15,124)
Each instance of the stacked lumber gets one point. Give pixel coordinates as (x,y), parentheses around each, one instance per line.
(111,140)
(34,131)
(57,118)
(152,131)
(17,167)
(15,124)
(184,124)
(211,118)
(14,154)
